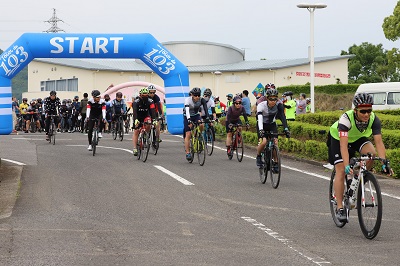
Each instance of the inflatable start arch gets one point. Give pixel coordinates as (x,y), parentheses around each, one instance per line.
(53,45)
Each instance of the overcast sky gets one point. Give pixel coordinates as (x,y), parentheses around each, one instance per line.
(271,29)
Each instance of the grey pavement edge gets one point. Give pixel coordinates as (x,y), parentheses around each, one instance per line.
(10,176)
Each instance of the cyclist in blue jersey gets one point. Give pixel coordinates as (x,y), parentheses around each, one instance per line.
(118,107)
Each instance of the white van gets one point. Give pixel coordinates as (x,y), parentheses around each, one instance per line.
(386,94)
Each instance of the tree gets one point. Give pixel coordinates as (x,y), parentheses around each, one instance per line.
(391,24)
(373,64)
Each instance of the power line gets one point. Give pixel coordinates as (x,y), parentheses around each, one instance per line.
(53,21)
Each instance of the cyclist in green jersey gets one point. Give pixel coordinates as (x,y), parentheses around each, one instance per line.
(349,135)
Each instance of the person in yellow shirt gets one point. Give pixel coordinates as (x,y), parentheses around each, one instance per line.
(23,107)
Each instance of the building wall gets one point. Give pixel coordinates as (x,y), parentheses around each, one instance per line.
(227,82)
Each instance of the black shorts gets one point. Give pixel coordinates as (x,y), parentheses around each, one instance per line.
(334,149)
(239,122)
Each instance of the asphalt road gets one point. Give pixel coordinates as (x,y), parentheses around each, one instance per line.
(111,209)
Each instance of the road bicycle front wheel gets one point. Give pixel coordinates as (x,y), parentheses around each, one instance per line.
(94,141)
(146,146)
(232,148)
(154,141)
(191,149)
(209,139)
(370,213)
(333,201)
(262,171)
(239,147)
(275,166)
(120,131)
(139,146)
(201,149)
(53,133)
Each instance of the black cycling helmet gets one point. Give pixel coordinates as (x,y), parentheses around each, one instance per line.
(24,99)
(53,93)
(363,100)
(272,92)
(118,94)
(39,99)
(207,92)
(237,98)
(151,88)
(288,93)
(95,93)
(195,91)
(64,102)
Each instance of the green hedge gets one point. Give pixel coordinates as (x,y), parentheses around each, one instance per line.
(307,142)
(328,89)
(388,121)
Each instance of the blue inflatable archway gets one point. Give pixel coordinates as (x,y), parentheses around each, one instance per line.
(53,45)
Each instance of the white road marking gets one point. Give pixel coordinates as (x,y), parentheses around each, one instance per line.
(173,175)
(12,161)
(285,241)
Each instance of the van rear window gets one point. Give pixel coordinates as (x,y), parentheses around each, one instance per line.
(393,98)
(379,98)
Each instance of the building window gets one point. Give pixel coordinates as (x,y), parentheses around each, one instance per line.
(59,85)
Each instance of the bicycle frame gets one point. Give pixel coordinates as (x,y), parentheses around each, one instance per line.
(366,204)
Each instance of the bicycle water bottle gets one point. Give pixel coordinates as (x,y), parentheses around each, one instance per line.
(353,189)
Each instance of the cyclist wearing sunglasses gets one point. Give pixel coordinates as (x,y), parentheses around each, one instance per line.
(143,110)
(191,113)
(350,134)
(159,109)
(233,117)
(267,112)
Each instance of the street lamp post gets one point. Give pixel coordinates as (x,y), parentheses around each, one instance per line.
(217,74)
(311,8)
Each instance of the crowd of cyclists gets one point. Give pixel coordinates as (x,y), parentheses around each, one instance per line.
(201,108)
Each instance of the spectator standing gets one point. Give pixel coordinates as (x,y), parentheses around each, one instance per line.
(308,107)
(229,101)
(15,110)
(219,107)
(76,111)
(290,106)
(246,102)
(301,104)
(83,109)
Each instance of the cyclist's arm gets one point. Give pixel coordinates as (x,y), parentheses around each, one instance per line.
(245,115)
(260,117)
(344,150)
(281,115)
(103,110)
(187,108)
(88,110)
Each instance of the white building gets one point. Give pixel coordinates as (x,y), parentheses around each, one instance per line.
(220,67)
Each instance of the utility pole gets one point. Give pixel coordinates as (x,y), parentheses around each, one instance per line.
(53,21)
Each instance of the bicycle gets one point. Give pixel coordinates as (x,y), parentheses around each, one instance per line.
(32,123)
(237,143)
(363,197)
(208,135)
(127,123)
(95,134)
(118,128)
(143,144)
(52,130)
(271,159)
(154,140)
(197,144)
